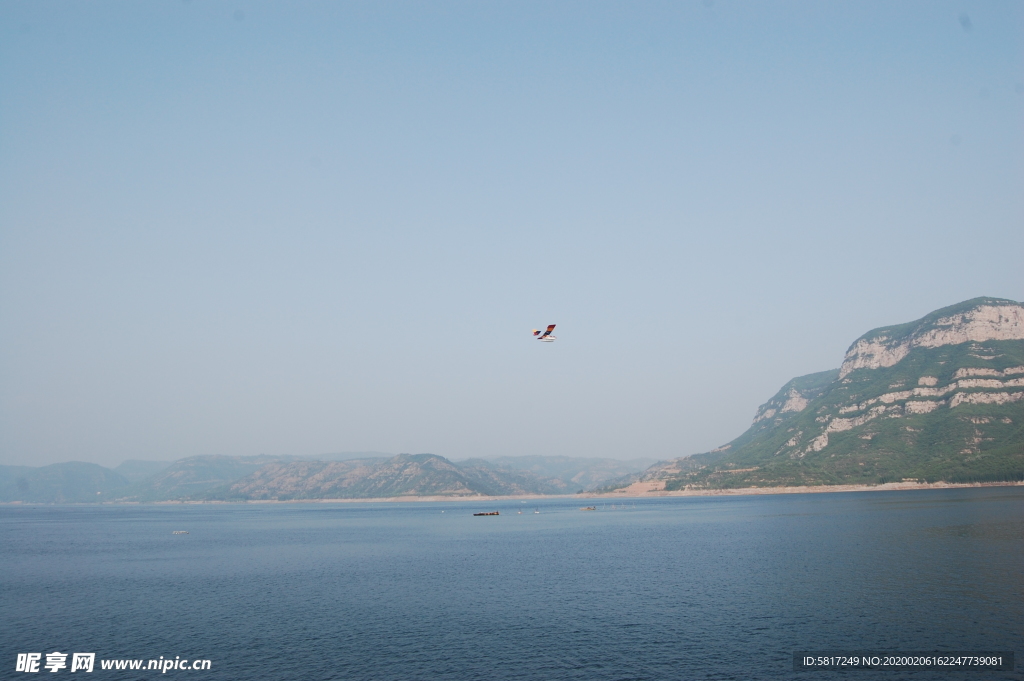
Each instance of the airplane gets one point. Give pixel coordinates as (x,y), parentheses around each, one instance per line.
(546,335)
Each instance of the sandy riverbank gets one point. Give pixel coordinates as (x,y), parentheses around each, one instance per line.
(655,489)
(642,492)
(652,491)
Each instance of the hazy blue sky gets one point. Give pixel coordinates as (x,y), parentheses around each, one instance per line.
(298,228)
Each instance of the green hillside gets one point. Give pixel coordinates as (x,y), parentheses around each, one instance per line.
(909,403)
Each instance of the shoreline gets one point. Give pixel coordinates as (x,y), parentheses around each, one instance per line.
(648,494)
(807,489)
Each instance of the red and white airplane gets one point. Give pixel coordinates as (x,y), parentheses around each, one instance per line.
(545,335)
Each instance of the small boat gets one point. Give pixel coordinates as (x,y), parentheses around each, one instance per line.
(488,513)
(179,532)
(588,508)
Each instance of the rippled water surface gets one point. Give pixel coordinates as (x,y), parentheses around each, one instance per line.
(680,588)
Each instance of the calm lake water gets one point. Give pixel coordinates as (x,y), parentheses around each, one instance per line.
(673,588)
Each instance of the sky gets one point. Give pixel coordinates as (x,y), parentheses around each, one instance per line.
(295,228)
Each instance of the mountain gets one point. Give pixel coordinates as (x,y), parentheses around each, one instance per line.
(192,476)
(573,473)
(134,470)
(508,479)
(346,456)
(70,482)
(402,475)
(937,399)
(239,478)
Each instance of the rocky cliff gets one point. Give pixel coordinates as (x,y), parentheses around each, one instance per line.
(940,398)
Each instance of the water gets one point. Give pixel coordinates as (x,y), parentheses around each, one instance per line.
(675,588)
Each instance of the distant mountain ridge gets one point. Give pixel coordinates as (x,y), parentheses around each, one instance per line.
(134,470)
(575,472)
(71,482)
(403,475)
(937,399)
(239,478)
(187,478)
